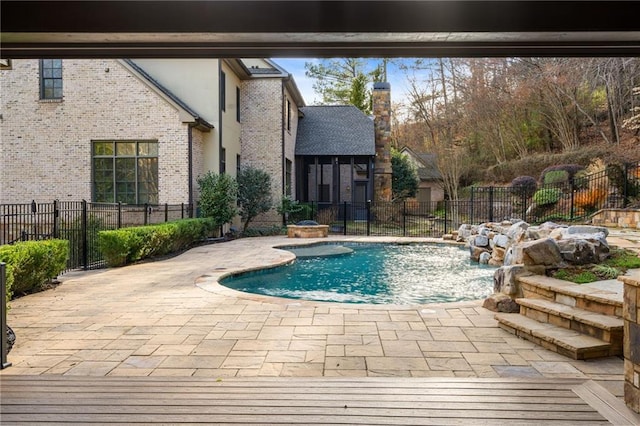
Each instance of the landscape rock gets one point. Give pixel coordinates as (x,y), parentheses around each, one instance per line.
(480,241)
(518,231)
(484,258)
(539,252)
(499,302)
(587,229)
(501,241)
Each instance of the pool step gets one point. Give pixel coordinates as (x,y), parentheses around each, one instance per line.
(570,343)
(604,327)
(578,321)
(567,293)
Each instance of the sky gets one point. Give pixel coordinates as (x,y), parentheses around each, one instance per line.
(295,67)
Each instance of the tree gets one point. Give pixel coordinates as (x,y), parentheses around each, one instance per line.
(217,197)
(254,194)
(404,181)
(435,107)
(345,81)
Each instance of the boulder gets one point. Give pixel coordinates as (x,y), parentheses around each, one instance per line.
(475,252)
(587,229)
(543,230)
(517,232)
(484,258)
(464,232)
(581,251)
(505,280)
(539,252)
(501,241)
(501,303)
(498,253)
(480,241)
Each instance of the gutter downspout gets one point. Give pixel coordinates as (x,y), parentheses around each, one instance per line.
(190,167)
(283,154)
(220,89)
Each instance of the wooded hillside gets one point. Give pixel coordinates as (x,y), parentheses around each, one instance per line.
(491,120)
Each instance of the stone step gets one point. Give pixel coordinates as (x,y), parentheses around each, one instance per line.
(585,297)
(569,343)
(604,327)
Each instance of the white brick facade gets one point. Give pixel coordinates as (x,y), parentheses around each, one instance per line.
(46,145)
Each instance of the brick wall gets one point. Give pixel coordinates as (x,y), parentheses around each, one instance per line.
(261,136)
(46,146)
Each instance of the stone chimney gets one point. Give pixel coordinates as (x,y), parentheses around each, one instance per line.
(382,127)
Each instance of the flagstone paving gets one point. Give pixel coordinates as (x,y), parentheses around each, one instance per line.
(172,318)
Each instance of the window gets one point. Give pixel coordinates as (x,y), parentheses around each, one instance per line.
(288,114)
(287,176)
(125,171)
(238,104)
(50,78)
(223,91)
(223,160)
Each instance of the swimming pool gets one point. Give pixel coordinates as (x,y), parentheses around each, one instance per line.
(375,273)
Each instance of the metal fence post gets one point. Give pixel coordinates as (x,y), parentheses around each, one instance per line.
(472,205)
(4,346)
(85,242)
(146,213)
(34,219)
(166,212)
(344,220)
(368,217)
(572,207)
(56,218)
(491,204)
(625,186)
(445,216)
(119,215)
(404,218)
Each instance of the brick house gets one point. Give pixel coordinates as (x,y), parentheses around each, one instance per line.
(143,130)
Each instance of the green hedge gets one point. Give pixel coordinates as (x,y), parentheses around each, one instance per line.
(31,264)
(547,196)
(122,246)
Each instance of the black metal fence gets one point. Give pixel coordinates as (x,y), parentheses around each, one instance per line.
(565,201)
(79,222)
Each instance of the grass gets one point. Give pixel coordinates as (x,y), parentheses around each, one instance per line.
(619,261)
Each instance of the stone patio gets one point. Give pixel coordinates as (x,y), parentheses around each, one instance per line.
(172,318)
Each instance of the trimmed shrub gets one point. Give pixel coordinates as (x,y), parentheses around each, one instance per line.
(556,177)
(547,196)
(33,263)
(8,283)
(524,185)
(571,170)
(122,246)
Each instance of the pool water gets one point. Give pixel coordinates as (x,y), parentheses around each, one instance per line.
(376,273)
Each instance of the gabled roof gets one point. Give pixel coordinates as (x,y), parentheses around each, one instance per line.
(334,130)
(428,164)
(167,94)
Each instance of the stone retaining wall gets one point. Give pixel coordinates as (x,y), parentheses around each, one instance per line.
(618,218)
(631,315)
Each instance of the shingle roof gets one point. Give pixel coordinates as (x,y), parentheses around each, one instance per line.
(335,130)
(430,171)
